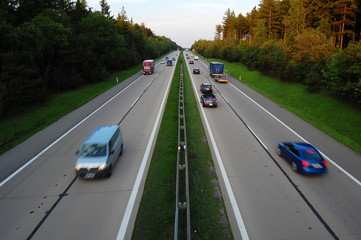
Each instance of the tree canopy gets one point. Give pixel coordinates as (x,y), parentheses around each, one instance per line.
(54,45)
(307,41)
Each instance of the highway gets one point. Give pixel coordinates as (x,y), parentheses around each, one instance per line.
(46,200)
(265,199)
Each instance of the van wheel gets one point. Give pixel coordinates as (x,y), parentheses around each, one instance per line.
(109,172)
(121,150)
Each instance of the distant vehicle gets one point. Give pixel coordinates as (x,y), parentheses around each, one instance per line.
(166,58)
(209,100)
(191,62)
(206,88)
(148,66)
(173,58)
(162,62)
(196,71)
(169,62)
(216,69)
(303,157)
(99,152)
(188,57)
(195,57)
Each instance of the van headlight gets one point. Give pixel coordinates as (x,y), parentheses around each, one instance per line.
(78,167)
(103,166)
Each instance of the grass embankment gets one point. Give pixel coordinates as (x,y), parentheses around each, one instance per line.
(28,121)
(155,219)
(339,120)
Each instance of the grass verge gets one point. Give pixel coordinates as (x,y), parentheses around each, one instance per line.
(339,120)
(28,121)
(155,219)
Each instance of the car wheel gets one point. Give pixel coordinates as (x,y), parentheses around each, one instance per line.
(279,153)
(294,167)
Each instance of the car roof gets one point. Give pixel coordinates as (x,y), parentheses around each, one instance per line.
(101,134)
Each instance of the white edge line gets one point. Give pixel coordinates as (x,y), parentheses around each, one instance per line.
(232,198)
(303,139)
(64,135)
(124,225)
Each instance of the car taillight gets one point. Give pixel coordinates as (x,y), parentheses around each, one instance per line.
(326,163)
(216,101)
(305,163)
(204,101)
(202,88)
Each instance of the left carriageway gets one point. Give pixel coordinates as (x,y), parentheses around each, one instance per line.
(41,197)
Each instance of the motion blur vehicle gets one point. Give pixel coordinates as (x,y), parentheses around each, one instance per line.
(196,71)
(209,100)
(148,66)
(191,62)
(303,157)
(99,152)
(206,88)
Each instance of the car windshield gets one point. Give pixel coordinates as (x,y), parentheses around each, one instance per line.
(146,67)
(93,150)
(312,155)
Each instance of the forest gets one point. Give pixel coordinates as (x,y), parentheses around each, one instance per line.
(47,46)
(312,42)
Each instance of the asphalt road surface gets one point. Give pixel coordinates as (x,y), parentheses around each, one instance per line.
(265,199)
(46,200)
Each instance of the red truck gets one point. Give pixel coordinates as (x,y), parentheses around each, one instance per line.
(148,66)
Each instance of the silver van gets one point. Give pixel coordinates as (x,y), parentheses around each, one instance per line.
(99,152)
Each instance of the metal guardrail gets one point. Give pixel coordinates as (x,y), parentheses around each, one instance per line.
(182,229)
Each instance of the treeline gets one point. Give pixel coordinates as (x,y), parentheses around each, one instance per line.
(314,42)
(48,46)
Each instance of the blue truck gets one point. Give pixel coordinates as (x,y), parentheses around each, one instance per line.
(216,70)
(169,62)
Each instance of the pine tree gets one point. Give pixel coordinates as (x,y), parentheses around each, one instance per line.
(105,8)
(345,13)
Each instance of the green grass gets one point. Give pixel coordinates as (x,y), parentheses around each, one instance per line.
(339,120)
(155,219)
(28,121)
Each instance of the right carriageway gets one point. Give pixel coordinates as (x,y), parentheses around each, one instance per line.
(265,199)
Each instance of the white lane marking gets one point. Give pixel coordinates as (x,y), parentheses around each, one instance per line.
(257,137)
(64,135)
(124,225)
(298,135)
(232,198)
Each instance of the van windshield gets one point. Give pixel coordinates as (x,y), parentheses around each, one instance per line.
(93,150)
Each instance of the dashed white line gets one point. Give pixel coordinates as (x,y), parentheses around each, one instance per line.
(298,135)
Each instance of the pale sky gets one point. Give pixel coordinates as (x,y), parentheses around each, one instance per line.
(183,21)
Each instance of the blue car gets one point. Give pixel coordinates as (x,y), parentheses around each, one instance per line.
(303,157)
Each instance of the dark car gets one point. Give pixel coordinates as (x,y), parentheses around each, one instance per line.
(206,88)
(209,100)
(196,71)
(191,62)
(303,157)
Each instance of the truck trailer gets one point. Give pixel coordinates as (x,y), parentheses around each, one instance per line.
(216,70)
(148,66)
